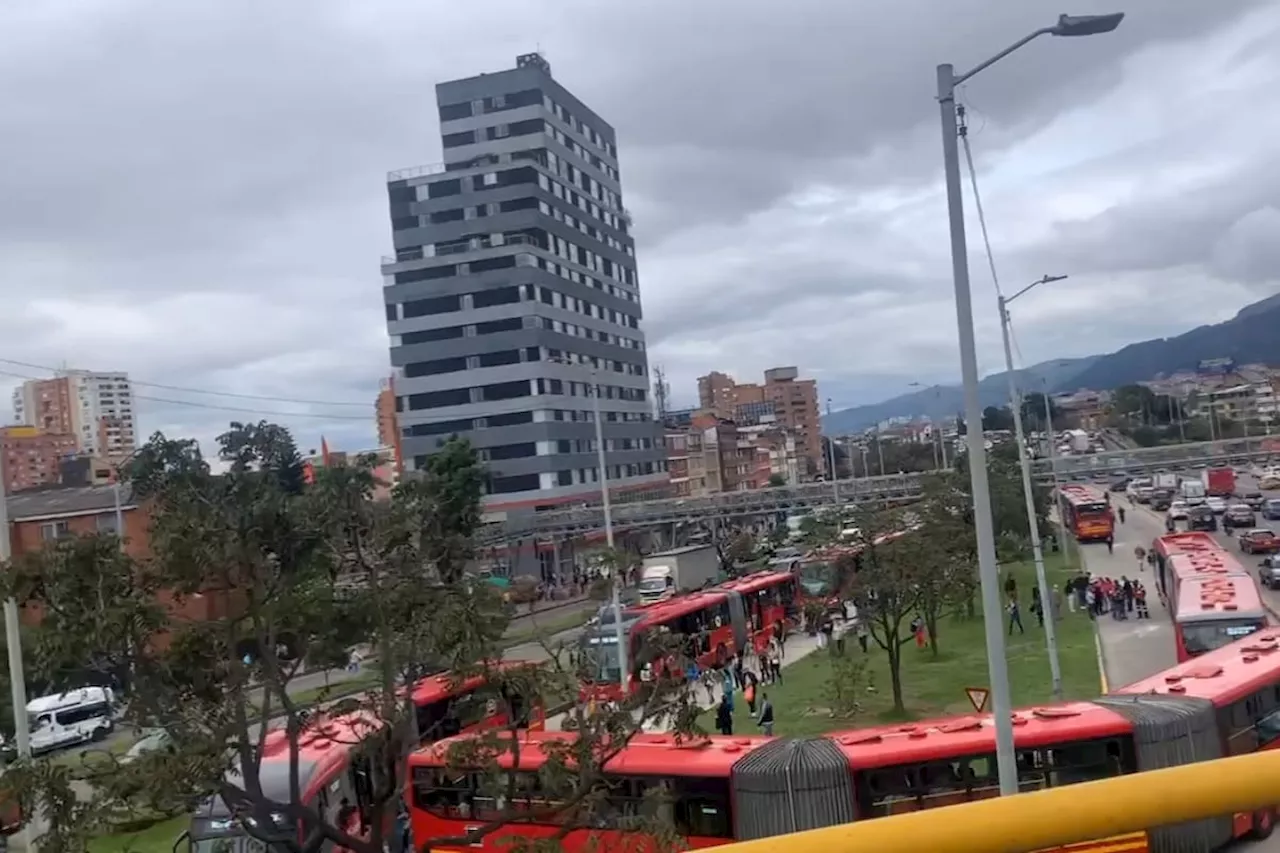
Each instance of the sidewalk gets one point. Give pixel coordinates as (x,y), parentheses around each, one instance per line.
(1131,650)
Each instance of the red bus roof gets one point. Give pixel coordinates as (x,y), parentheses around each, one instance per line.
(1191,542)
(1218,597)
(1205,564)
(674,608)
(758,581)
(318,738)
(644,754)
(1223,675)
(884,746)
(1081,493)
(444,685)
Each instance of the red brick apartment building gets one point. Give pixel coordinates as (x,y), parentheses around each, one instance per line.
(39,517)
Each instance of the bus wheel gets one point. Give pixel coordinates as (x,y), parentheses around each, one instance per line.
(1263,824)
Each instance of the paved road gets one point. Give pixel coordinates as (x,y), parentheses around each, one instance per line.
(1133,650)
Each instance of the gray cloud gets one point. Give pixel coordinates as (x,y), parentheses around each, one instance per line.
(195,190)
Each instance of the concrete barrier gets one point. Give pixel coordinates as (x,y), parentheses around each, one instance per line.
(1111,809)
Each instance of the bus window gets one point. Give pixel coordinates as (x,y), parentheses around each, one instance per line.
(443,793)
(702,808)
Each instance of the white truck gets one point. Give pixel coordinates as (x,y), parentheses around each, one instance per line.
(1079,441)
(1165,481)
(669,573)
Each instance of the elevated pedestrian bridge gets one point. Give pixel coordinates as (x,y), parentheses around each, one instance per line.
(760,503)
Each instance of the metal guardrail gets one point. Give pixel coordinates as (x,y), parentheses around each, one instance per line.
(760,502)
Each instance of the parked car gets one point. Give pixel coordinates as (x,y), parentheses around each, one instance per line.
(1143,494)
(1161,499)
(1259,541)
(1240,515)
(1271,509)
(1253,499)
(1269,572)
(1178,511)
(1215,503)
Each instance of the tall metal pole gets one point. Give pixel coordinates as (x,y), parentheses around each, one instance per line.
(831,455)
(880,450)
(619,634)
(1033,523)
(13,632)
(1053,467)
(992,609)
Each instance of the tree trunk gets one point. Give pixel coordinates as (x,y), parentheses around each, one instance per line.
(931,625)
(895,673)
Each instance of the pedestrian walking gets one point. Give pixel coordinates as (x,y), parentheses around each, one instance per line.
(724,717)
(1015,618)
(1111,542)
(765,720)
(1120,511)
(749,692)
(1140,601)
(1070,590)
(860,630)
(775,662)
(1141,554)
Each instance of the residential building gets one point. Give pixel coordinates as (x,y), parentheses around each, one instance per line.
(388,422)
(96,408)
(513,293)
(33,457)
(704,458)
(41,517)
(1083,409)
(792,401)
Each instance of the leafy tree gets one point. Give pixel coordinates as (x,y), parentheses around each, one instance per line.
(1032,409)
(736,550)
(289,571)
(995,418)
(776,480)
(947,543)
(850,677)
(887,588)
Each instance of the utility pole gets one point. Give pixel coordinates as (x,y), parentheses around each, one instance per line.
(661,392)
(12,631)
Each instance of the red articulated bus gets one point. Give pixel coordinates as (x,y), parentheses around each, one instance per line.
(1242,681)
(1086,512)
(772,602)
(725,789)
(447,706)
(1212,597)
(330,768)
(712,623)
(334,778)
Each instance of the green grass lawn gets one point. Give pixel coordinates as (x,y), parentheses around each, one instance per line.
(157,838)
(936,686)
(544,627)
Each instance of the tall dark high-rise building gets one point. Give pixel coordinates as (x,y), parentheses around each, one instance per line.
(513,292)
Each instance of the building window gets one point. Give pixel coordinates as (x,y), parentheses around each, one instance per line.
(54,530)
(106,523)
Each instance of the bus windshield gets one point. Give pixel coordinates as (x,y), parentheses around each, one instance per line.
(1201,637)
(600,657)
(815,578)
(1094,508)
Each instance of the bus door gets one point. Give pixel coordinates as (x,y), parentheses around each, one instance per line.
(737,616)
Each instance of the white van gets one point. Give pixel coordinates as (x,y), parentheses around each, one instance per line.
(70,718)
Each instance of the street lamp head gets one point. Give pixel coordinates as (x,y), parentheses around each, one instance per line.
(1086,25)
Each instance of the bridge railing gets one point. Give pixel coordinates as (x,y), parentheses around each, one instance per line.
(1092,811)
(895,486)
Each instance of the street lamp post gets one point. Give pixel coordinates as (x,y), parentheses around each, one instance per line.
(1053,464)
(831,456)
(1024,463)
(619,634)
(992,611)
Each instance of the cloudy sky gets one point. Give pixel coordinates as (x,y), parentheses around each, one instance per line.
(194,191)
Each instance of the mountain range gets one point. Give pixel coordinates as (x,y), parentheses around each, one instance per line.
(1252,336)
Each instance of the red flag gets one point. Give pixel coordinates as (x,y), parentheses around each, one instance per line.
(324,452)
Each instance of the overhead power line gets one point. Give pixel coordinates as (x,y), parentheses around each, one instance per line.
(231,394)
(219,408)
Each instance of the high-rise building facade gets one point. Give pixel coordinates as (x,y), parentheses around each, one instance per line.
(513,291)
(96,408)
(784,399)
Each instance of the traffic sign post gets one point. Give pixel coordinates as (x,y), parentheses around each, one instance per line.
(978,697)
